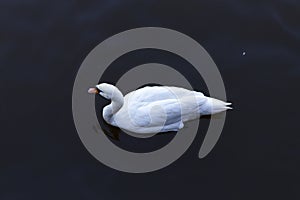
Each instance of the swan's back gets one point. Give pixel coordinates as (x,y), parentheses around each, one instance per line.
(158,93)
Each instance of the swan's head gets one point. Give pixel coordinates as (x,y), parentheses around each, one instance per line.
(104,89)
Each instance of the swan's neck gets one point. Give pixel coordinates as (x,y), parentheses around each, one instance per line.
(117,101)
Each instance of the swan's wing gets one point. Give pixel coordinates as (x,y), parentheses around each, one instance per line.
(158,93)
(164,115)
(162,108)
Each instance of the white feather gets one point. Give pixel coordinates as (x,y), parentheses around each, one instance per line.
(156,109)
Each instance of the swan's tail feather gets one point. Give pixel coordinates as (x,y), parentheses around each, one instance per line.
(214,106)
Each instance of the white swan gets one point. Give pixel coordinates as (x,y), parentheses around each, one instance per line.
(154,109)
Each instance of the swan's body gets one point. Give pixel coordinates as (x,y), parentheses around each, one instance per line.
(156,109)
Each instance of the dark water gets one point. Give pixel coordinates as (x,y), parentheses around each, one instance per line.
(42,44)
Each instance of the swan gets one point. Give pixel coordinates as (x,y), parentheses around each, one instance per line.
(154,109)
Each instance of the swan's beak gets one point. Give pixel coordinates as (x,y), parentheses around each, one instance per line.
(94,91)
